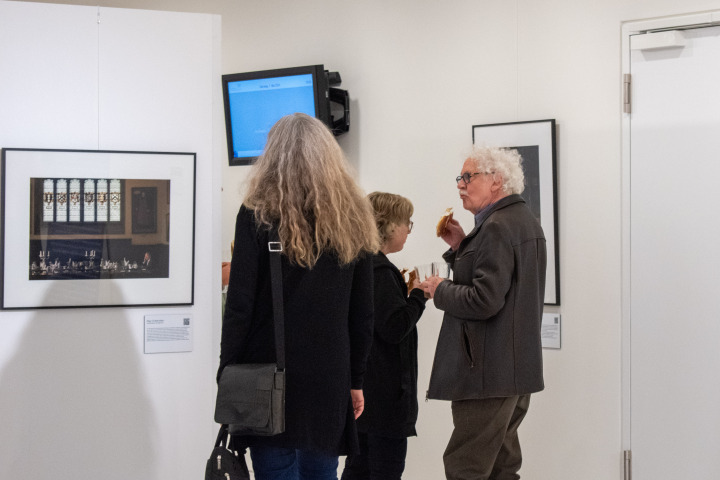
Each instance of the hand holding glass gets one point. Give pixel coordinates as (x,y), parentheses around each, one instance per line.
(439,269)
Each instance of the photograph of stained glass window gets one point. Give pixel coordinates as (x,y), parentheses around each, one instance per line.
(98,228)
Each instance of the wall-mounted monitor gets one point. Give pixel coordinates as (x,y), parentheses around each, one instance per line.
(254,101)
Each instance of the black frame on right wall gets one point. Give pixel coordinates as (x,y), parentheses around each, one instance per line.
(535,142)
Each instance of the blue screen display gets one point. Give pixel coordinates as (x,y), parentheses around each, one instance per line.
(255,106)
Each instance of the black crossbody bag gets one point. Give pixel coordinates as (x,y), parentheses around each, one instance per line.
(251,396)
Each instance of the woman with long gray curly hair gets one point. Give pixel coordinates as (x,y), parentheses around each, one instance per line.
(301,188)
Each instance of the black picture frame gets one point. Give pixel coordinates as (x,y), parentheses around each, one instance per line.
(51,257)
(535,141)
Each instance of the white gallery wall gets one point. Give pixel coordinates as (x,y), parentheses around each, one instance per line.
(78,397)
(420,73)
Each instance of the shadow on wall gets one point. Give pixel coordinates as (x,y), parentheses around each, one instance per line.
(73,403)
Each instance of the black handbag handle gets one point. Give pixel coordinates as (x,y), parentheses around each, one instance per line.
(275,249)
(223,437)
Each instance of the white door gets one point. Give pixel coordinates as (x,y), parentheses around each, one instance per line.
(672,254)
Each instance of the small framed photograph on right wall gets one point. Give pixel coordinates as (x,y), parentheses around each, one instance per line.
(535,142)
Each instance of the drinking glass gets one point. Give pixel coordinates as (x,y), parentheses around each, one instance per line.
(441,269)
(424,271)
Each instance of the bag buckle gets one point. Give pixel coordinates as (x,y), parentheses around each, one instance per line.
(275,246)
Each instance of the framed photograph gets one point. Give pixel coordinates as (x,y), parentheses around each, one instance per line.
(91,228)
(535,142)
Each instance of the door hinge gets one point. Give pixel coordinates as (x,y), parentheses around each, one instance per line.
(626,93)
(627,460)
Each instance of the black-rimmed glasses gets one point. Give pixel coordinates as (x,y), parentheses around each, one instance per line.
(466,177)
(410,225)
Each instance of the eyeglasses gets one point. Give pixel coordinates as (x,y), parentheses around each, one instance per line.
(410,225)
(465,177)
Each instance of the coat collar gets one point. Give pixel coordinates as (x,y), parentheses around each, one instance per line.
(500,204)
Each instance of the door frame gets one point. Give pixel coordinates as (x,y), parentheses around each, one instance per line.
(630,28)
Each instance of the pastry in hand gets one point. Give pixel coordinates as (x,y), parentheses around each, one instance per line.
(412,277)
(442,224)
(409,276)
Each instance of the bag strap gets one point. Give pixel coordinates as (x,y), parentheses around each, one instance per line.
(227,441)
(275,249)
(223,435)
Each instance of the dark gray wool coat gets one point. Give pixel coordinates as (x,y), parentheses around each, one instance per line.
(489,343)
(328,334)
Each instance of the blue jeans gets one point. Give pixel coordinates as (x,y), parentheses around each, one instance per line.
(272,463)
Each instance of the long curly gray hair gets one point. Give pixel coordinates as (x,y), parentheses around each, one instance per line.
(302,183)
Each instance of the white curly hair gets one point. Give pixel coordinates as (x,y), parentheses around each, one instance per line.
(505,161)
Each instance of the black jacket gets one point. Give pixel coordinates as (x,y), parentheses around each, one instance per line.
(489,343)
(391,406)
(328,332)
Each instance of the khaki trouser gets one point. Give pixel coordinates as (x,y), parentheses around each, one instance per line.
(484,444)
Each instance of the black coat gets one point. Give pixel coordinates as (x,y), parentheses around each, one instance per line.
(391,406)
(328,333)
(489,343)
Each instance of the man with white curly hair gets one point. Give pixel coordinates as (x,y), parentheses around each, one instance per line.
(489,352)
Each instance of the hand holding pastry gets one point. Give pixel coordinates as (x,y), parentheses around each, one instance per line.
(441,227)
(411,278)
(454,234)
(450,230)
